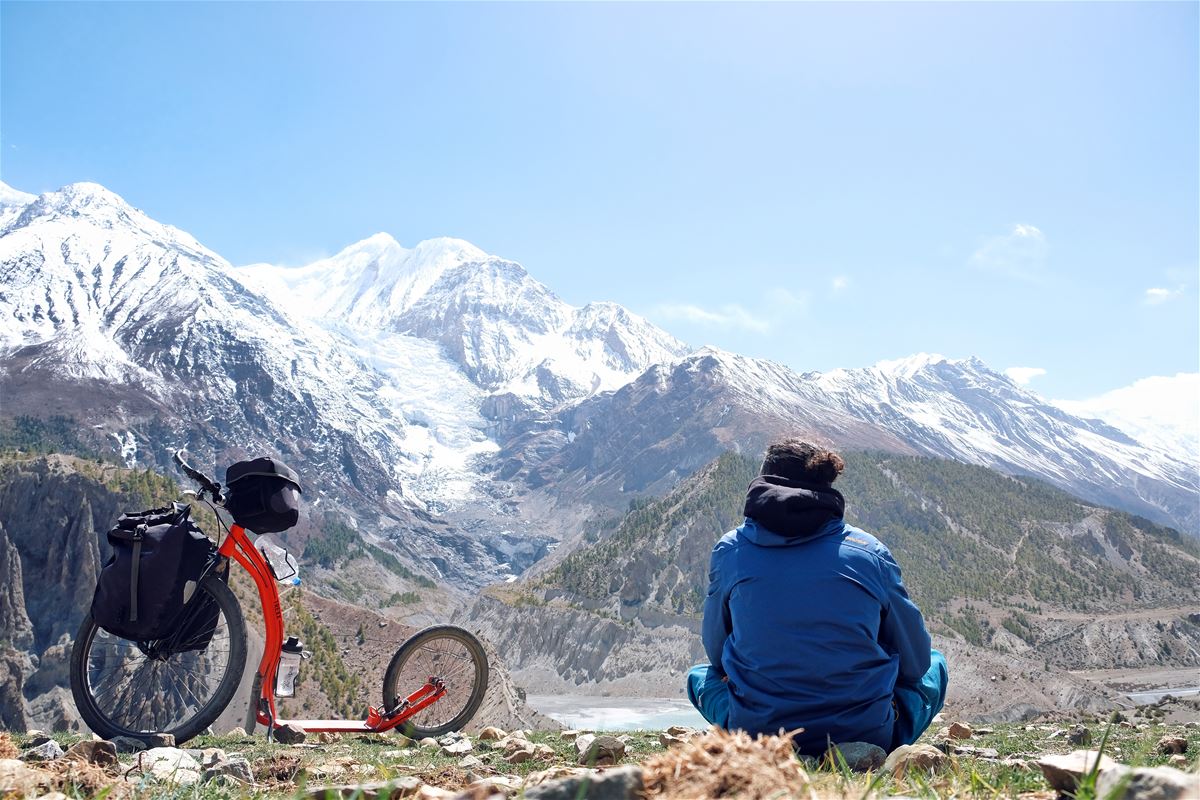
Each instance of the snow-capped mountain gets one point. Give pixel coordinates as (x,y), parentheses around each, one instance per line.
(713,400)
(442,380)
(964,410)
(133,326)
(507,332)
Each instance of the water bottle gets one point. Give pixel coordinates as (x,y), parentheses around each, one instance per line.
(283,565)
(289,667)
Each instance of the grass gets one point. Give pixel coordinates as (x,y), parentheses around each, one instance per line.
(285,772)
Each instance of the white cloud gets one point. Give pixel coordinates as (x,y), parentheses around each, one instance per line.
(1161,411)
(728,316)
(1020,253)
(840,283)
(1023,375)
(1154,296)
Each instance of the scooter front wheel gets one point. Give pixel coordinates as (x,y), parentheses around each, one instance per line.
(450,654)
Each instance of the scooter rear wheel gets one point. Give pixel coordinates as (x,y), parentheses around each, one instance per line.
(456,657)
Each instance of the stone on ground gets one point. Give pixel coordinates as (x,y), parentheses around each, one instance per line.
(491,734)
(237,768)
(923,757)
(160,740)
(601,751)
(621,783)
(669,740)
(128,744)
(46,751)
(239,732)
(170,765)
(18,779)
(1178,761)
(959,730)
(1147,783)
(859,756)
(568,736)
(1172,744)
(102,753)
(457,747)
(1063,772)
(289,734)
(1079,735)
(429,742)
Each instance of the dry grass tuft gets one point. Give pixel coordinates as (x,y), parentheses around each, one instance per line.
(81,779)
(8,748)
(723,764)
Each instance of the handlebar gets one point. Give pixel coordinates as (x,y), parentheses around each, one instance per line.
(207,484)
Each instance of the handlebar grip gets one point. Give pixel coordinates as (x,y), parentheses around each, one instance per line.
(212,486)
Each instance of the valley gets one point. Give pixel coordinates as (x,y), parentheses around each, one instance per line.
(473,447)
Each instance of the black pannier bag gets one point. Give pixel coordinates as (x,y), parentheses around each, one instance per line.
(145,589)
(263,495)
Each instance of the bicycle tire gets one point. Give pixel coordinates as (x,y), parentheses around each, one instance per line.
(419,644)
(91,639)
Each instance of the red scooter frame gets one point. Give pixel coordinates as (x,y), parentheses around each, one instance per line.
(237,546)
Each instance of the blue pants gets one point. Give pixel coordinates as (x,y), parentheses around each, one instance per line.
(916,706)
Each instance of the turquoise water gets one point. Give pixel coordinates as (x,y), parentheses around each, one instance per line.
(617,713)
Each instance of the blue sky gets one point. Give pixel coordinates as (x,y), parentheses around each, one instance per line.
(823,185)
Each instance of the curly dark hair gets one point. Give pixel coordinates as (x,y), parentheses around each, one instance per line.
(798,460)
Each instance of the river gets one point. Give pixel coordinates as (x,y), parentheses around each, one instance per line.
(617,713)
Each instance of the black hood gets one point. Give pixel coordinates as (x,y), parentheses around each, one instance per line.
(792,509)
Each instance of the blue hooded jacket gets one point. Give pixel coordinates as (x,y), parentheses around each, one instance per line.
(809,620)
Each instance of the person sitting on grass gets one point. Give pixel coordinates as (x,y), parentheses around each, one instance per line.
(807,623)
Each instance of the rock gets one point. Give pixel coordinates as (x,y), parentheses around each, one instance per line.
(18,779)
(160,740)
(53,796)
(237,768)
(907,757)
(328,737)
(102,754)
(239,732)
(1063,772)
(582,742)
(170,765)
(667,740)
(46,751)
(1057,733)
(37,739)
(1172,744)
(392,755)
(975,752)
(984,731)
(1178,761)
(681,730)
(458,747)
(543,751)
(397,787)
(289,734)
(858,756)
(622,783)
(470,762)
(433,793)
(510,744)
(959,730)
(128,744)
(521,755)
(602,751)
(569,736)
(491,734)
(1147,783)
(429,742)
(1079,735)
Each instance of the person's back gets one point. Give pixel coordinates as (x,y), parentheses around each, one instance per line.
(807,623)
